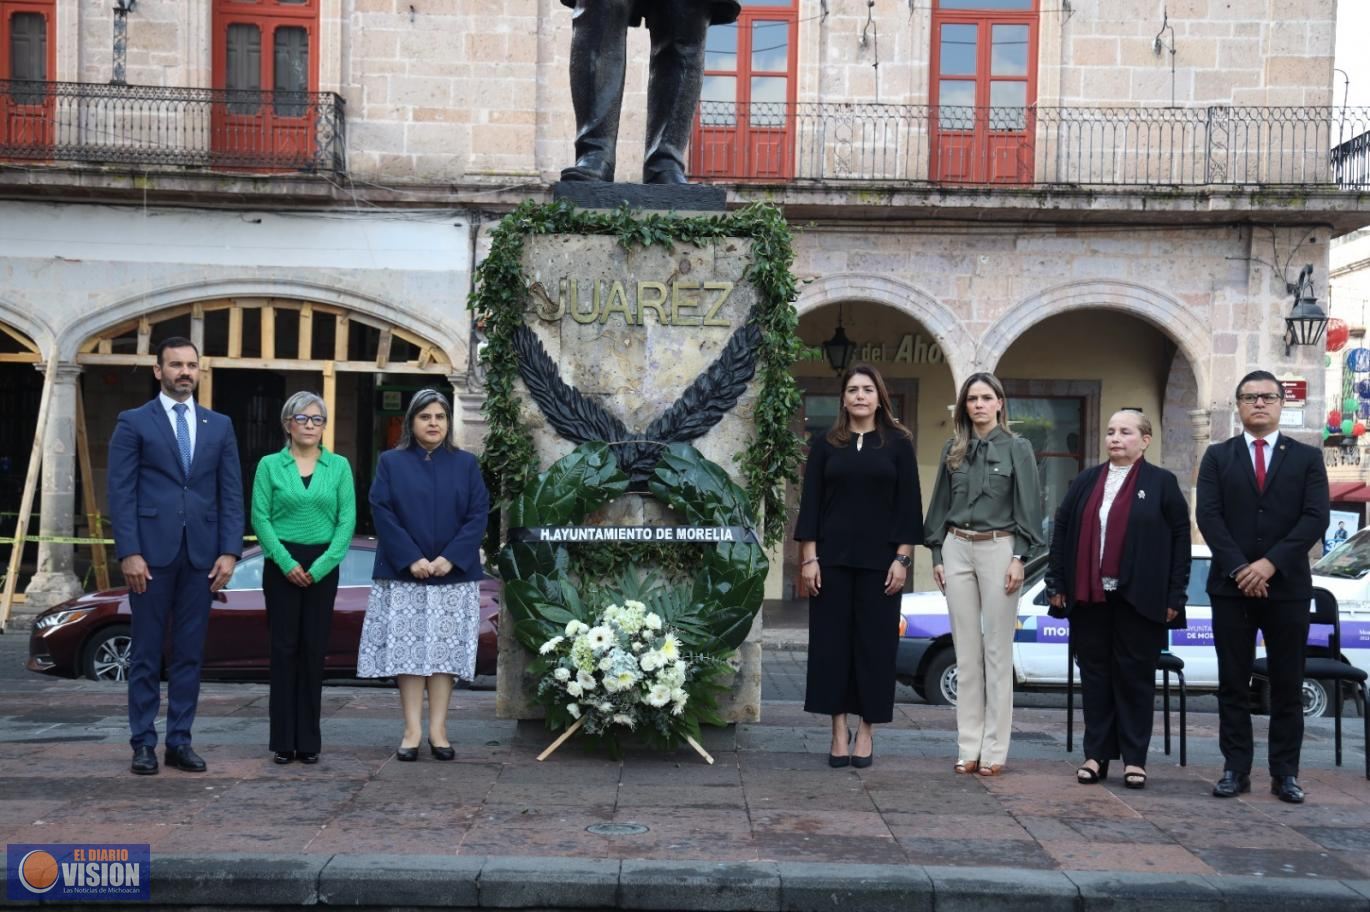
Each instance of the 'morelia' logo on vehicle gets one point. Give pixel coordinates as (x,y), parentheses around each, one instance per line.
(78,872)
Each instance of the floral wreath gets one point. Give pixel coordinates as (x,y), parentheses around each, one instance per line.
(646,655)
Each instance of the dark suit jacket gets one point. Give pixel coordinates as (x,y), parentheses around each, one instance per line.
(1281,524)
(1154,574)
(428,508)
(151,500)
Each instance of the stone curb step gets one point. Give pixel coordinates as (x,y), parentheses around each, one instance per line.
(460,882)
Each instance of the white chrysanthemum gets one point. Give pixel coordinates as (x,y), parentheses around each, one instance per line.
(634,605)
(653,621)
(600,638)
(679,708)
(576,628)
(650,661)
(625,719)
(573,710)
(679,695)
(551,644)
(574,689)
(586,681)
(659,696)
(562,674)
(670,647)
(624,680)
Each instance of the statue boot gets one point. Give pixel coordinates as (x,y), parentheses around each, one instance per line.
(673,86)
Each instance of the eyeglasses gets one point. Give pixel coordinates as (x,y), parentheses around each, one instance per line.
(302,420)
(1266,398)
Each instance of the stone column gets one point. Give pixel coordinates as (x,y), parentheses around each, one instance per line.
(1201,426)
(56,579)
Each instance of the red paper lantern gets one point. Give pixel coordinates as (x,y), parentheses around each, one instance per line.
(1338,334)
(1358,429)
(1334,419)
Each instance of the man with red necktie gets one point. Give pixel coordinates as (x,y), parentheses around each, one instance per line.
(1261,505)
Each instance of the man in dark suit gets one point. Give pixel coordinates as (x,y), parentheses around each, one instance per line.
(1261,505)
(176,506)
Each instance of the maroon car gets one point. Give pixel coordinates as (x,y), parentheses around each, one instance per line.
(90,635)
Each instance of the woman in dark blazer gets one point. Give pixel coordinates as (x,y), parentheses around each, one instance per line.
(430,508)
(1120,570)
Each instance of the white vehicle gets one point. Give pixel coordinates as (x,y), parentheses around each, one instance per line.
(927,663)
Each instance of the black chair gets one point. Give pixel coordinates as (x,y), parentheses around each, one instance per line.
(1167,664)
(1331,667)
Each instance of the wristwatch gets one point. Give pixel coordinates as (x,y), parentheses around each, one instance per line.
(1020,558)
(904,560)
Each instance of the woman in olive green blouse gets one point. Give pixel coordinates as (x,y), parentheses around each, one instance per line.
(304,511)
(984,518)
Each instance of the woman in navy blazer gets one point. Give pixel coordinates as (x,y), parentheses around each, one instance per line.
(1120,570)
(430,506)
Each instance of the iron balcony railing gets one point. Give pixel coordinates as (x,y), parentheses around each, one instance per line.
(151,125)
(1074,146)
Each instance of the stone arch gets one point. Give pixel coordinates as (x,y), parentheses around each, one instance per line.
(1168,315)
(943,323)
(74,335)
(27,324)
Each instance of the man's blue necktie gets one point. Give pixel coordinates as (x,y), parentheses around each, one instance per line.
(183,436)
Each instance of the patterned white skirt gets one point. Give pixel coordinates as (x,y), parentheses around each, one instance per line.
(416,629)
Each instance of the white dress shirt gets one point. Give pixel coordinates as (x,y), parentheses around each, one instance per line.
(1271,439)
(167,403)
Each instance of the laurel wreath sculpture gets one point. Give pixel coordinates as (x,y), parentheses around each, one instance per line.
(765,348)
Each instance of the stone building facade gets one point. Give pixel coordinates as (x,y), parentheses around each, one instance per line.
(1102,201)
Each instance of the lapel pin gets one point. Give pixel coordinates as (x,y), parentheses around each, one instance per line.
(1141,495)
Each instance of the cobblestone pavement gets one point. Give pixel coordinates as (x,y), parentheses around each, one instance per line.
(769,797)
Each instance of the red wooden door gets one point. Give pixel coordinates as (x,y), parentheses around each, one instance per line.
(27,61)
(984,64)
(265,54)
(745,126)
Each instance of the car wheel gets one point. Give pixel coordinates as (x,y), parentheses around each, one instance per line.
(107,654)
(1317,701)
(939,682)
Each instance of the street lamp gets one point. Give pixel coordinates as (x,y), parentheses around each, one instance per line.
(1306,321)
(839,348)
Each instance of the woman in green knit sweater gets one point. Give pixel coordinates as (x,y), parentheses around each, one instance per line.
(304,510)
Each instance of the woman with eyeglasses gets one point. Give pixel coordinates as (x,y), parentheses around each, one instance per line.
(304,511)
(430,508)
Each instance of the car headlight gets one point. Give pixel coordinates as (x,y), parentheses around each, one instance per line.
(62,617)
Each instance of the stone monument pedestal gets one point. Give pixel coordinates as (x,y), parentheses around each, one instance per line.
(632,329)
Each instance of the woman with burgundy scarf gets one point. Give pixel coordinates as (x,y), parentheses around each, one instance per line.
(1120,571)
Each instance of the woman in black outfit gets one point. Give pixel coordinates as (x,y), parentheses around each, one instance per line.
(859,518)
(1120,571)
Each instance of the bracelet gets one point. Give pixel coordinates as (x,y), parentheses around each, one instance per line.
(812,560)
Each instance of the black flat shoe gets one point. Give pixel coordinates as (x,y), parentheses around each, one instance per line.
(185,759)
(144,762)
(1086,776)
(442,753)
(307,758)
(284,757)
(1286,788)
(407,754)
(1231,785)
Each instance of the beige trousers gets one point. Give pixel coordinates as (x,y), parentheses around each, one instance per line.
(983,619)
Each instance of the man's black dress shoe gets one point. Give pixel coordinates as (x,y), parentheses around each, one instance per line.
(310,759)
(144,761)
(1286,788)
(668,175)
(185,759)
(283,757)
(589,168)
(1231,785)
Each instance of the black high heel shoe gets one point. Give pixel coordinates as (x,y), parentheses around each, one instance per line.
(837,762)
(407,754)
(863,762)
(1086,776)
(442,753)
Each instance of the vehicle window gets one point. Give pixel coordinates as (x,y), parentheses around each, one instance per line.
(1198,582)
(356,566)
(248,573)
(1349,560)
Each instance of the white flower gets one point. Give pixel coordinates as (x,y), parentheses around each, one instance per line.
(575,628)
(653,621)
(605,707)
(562,674)
(586,681)
(659,696)
(679,695)
(679,708)
(606,663)
(601,638)
(650,661)
(625,719)
(611,684)
(670,647)
(634,605)
(573,710)
(624,680)
(574,689)
(551,644)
